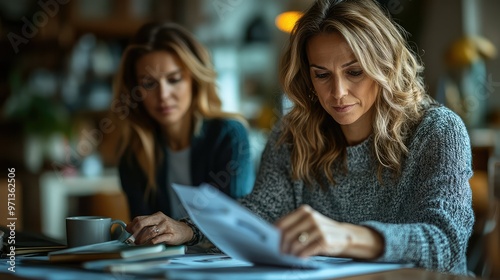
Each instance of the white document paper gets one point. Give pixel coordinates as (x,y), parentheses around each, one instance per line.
(159,265)
(237,231)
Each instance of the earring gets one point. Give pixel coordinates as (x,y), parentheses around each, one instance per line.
(312,96)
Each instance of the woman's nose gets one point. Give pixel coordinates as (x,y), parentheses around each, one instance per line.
(339,89)
(166,90)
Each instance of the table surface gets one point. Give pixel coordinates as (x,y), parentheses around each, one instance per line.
(409,274)
(405,273)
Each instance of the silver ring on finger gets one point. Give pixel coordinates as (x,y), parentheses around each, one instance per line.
(156,230)
(303,237)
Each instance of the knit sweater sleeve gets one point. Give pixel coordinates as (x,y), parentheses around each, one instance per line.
(274,193)
(436,218)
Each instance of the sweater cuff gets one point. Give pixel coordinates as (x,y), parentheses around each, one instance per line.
(393,250)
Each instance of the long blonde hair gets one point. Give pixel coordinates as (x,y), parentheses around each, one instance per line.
(381,48)
(137,128)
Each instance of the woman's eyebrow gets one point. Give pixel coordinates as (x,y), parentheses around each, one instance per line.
(317,66)
(349,63)
(167,74)
(343,66)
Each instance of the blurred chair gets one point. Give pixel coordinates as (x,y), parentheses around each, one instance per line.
(109,204)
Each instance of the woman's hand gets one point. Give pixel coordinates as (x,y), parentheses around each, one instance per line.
(159,228)
(306,232)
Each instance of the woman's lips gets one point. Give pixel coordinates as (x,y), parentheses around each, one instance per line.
(165,110)
(342,109)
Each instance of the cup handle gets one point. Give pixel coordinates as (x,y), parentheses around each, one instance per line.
(122,224)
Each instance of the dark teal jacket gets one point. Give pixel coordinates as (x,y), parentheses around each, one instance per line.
(220,156)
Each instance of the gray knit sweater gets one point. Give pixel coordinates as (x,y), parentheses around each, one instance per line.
(425,216)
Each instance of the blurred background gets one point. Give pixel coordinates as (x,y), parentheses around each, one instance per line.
(59,57)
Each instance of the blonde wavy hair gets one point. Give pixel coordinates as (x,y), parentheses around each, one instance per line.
(379,44)
(137,129)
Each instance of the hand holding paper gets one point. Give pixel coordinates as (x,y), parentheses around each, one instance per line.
(234,229)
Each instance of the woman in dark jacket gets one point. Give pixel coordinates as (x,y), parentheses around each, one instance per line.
(173,130)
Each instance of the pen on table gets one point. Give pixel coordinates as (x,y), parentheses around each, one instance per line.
(130,240)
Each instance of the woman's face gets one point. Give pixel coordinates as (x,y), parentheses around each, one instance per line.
(167,86)
(344,90)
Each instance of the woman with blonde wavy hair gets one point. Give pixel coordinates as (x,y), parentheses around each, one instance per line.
(173,131)
(365,165)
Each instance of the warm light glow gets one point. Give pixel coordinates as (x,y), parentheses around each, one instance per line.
(286,21)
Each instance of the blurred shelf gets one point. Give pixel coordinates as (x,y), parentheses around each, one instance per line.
(482,137)
(109,28)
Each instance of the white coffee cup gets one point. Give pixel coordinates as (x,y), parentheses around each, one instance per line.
(86,230)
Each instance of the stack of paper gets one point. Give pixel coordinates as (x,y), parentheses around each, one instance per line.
(113,250)
(29,243)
